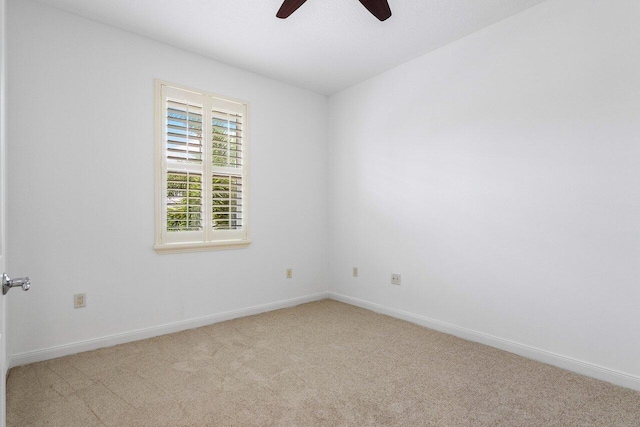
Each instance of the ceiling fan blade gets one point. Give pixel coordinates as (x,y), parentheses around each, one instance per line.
(378,8)
(288,7)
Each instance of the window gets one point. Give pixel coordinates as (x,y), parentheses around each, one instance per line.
(201,170)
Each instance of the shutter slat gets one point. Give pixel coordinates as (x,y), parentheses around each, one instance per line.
(184,117)
(185,141)
(225,129)
(226,138)
(182,150)
(184,131)
(184,106)
(194,147)
(190,159)
(224,115)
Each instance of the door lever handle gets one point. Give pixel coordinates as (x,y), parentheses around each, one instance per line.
(8,283)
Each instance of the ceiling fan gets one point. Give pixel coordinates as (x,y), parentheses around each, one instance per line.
(378,8)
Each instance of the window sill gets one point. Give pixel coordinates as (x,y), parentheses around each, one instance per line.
(173,248)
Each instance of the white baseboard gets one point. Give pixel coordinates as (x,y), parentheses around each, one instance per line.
(564,362)
(571,364)
(140,334)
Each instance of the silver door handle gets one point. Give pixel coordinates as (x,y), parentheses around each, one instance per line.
(8,283)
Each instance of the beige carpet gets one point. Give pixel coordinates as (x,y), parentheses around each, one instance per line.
(323,363)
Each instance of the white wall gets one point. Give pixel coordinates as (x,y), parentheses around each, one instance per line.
(81,196)
(500,176)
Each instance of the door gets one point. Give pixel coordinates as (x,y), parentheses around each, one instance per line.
(3,247)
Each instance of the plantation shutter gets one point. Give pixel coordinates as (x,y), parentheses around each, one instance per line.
(184,201)
(203,168)
(227,126)
(226,130)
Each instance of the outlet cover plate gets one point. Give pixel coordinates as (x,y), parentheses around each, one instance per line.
(79,300)
(396,279)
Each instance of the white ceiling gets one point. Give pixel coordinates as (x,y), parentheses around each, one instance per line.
(325,46)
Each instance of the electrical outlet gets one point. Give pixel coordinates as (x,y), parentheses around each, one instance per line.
(395,279)
(79,300)
(355,271)
(289,273)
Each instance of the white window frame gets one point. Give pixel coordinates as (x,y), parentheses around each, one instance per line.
(207,239)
